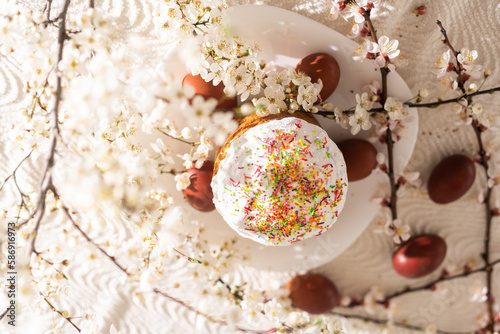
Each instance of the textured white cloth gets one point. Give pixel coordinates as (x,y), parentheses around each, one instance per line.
(473,24)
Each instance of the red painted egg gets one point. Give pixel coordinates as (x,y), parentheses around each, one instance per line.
(313,293)
(419,256)
(208,90)
(321,66)
(199,193)
(360,158)
(451,179)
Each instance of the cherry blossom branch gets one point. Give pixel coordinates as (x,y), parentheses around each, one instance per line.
(23,195)
(209,318)
(13,174)
(155,290)
(62,315)
(454,100)
(172,172)
(176,138)
(431,285)
(46,183)
(85,235)
(483,162)
(420,105)
(189,258)
(384,71)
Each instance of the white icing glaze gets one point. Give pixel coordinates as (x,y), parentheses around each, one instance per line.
(281,182)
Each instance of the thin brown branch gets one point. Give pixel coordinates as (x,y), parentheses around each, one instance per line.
(446,41)
(85,235)
(487,233)
(62,315)
(49,9)
(189,258)
(454,100)
(209,318)
(433,283)
(13,174)
(176,138)
(434,104)
(369,24)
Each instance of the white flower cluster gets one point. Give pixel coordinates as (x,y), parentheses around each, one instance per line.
(385,51)
(457,78)
(235,62)
(394,116)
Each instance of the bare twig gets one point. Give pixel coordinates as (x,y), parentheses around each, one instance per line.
(62,315)
(13,174)
(85,235)
(209,318)
(189,258)
(454,100)
(176,138)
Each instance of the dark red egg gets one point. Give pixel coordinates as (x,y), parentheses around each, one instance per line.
(360,158)
(199,193)
(313,293)
(208,90)
(451,179)
(321,66)
(419,256)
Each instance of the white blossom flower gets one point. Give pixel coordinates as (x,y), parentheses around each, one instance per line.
(359,120)
(467,60)
(341,118)
(444,66)
(395,108)
(222,124)
(478,292)
(476,108)
(387,51)
(370,300)
(182,181)
(308,95)
(233,315)
(273,310)
(399,230)
(295,319)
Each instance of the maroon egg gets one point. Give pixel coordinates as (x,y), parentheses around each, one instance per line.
(451,179)
(419,256)
(208,90)
(360,158)
(321,66)
(199,193)
(313,293)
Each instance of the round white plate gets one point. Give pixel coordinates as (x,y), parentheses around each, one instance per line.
(285,38)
